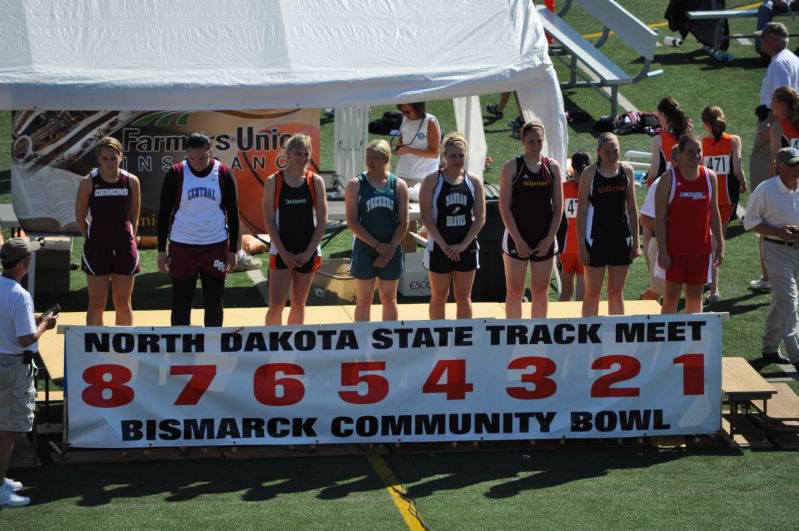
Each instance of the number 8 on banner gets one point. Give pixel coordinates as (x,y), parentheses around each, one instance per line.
(111,379)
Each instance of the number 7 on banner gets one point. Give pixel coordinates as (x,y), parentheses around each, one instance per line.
(201,378)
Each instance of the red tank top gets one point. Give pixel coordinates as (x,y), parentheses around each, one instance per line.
(570,194)
(717,156)
(688,218)
(790,135)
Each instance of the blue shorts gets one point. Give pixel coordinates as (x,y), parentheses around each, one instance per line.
(361,265)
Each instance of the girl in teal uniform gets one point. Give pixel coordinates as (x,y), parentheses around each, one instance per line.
(377,214)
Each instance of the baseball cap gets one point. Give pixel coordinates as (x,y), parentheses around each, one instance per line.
(788,155)
(773,28)
(18,248)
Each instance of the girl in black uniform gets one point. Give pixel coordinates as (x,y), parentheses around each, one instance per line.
(607,226)
(531,206)
(295,213)
(452,206)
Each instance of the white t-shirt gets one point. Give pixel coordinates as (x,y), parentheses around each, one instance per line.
(783,71)
(648,208)
(773,203)
(410,167)
(16,316)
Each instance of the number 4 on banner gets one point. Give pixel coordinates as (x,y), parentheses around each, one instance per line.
(455,386)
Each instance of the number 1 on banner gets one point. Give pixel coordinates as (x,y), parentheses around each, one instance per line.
(455,386)
(693,373)
(201,378)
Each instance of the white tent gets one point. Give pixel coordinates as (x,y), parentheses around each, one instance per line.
(259,54)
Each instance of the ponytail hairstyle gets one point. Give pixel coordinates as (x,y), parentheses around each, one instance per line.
(679,123)
(713,116)
(580,160)
(604,138)
(790,98)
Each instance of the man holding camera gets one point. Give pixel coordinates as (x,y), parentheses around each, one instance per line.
(783,71)
(773,212)
(20,329)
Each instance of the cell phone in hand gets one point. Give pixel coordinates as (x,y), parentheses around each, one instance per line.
(52,310)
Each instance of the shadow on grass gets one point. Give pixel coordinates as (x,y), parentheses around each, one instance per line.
(733,305)
(514,473)
(182,481)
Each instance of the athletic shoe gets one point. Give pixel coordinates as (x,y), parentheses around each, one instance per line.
(248,263)
(10,484)
(492,109)
(650,295)
(518,123)
(517,134)
(760,285)
(9,498)
(712,298)
(775,357)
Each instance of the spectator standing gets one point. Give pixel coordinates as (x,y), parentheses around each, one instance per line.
(20,329)
(783,71)
(419,141)
(773,212)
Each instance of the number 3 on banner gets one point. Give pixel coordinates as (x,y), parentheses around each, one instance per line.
(110,378)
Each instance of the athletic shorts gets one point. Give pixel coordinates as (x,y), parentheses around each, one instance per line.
(509,248)
(726,212)
(17,394)
(570,264)
(100,260)
(187,261)
(361,265)
(314,263)
(615,252)
(436,261)
(690,269)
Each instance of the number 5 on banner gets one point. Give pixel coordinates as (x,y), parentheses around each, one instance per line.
(201,378)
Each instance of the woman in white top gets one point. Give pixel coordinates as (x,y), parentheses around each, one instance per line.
(418,144)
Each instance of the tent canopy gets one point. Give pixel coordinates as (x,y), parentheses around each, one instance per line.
(259,54)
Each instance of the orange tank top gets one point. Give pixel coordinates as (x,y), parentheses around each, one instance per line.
(570,209)
(717,156)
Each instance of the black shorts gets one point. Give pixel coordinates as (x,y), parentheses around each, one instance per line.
(100,260)
(314,263)
(436,261)
(509,248)
(615,252)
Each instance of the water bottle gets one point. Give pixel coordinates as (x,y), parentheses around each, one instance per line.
(672,41)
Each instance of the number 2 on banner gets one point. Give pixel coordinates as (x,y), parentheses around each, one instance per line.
(629,368)
(201,378)
(110,378)
(455,386)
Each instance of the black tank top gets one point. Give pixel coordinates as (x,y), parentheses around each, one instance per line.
(531,198)
(608,200)
(109,207)
(454,209)
(296,216)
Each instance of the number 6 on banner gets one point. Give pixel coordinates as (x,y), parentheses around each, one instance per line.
(201,378)
(266,384)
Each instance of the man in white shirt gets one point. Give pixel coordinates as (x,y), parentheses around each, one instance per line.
(20,329)
(773,212)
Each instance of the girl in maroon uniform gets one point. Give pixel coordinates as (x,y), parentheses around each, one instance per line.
(295,213)
(686,210)
(107,212)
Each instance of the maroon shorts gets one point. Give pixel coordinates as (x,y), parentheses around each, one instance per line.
(100,259)
(187,261)
(691,269)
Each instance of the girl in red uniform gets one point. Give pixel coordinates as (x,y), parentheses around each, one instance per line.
(686,210)
(112,196)
(570,267)
(295,213)
(721,152)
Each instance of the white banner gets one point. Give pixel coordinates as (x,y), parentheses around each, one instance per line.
(394,382)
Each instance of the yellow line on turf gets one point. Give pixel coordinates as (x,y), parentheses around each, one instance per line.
(664,23)
(397,492)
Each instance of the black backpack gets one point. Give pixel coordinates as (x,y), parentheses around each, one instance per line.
(389,122)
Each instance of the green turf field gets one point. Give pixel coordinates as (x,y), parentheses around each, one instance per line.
(599,487)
